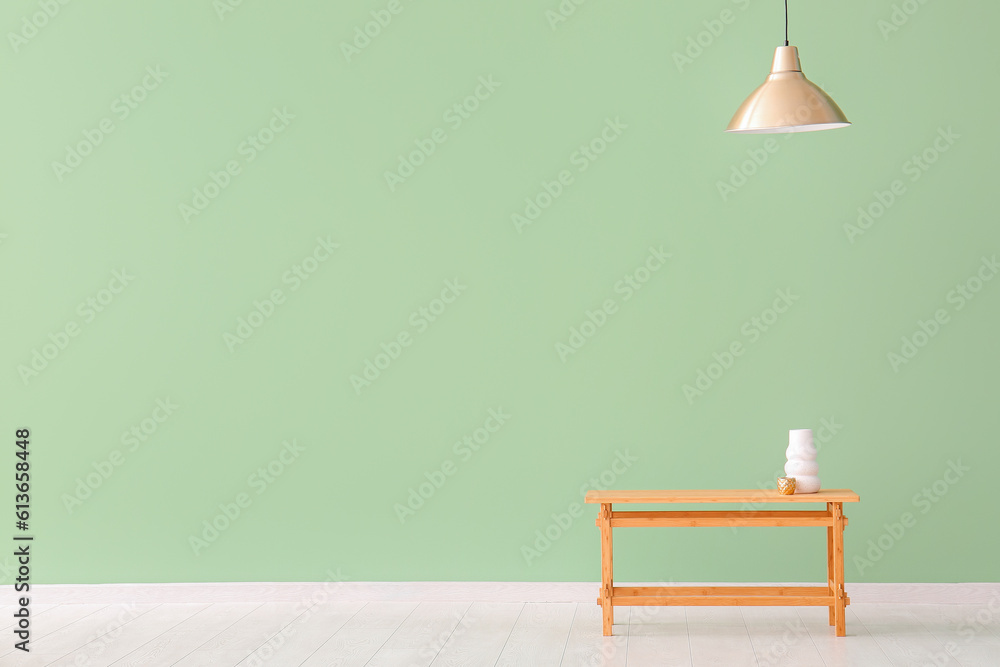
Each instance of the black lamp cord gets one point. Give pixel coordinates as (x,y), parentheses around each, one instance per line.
(786,22)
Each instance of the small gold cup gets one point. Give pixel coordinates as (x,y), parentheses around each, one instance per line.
(786,486)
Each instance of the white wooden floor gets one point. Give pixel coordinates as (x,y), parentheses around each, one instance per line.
(405,634)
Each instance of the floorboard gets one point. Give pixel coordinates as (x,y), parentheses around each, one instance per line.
(780,637)
(587,647)
(177,642)
(480,635)
(719,637)
(658,636)
(419,638)
(539,636)
(902,637)
(857,648)
(7,620)
(244,636)
(360,638)
(56,619)
(105,622)
(464,633)
(133,633)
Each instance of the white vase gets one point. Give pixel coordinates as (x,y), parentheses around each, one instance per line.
(801,461)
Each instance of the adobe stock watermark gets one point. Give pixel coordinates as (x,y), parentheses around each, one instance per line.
(231,510)
(752,330)
(32,23)
(594,320)
(224,7)
(98,642)
(304,610)
(913,167)
(827,431)
(420,320)
(603,654)
(970,628)
(446,638)
(959,297)
(264,309)
(973,625)
(455,116)
(948,656)
(121,108)
(740,173)
(87,311)
(562,12)
(370,30)
(898,17)
(923,501)
(248,149)
(777,650)
(562,522)
(704,39)
(464,449)
(584,156)
(132,439)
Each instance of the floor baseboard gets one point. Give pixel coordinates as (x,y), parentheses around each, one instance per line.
(960,593)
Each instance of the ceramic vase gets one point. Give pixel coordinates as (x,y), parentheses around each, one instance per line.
(801,461)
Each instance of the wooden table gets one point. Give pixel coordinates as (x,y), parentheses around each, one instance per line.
(832,595)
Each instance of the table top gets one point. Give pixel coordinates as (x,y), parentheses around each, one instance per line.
(723,496)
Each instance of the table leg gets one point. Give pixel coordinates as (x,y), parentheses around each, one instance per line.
(606,577)
(838,569)
(829,562)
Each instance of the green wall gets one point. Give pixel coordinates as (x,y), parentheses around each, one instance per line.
(244,171)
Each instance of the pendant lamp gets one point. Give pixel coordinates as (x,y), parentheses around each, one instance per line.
(787,101)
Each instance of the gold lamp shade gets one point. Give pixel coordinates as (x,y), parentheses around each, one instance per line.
(787,102)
